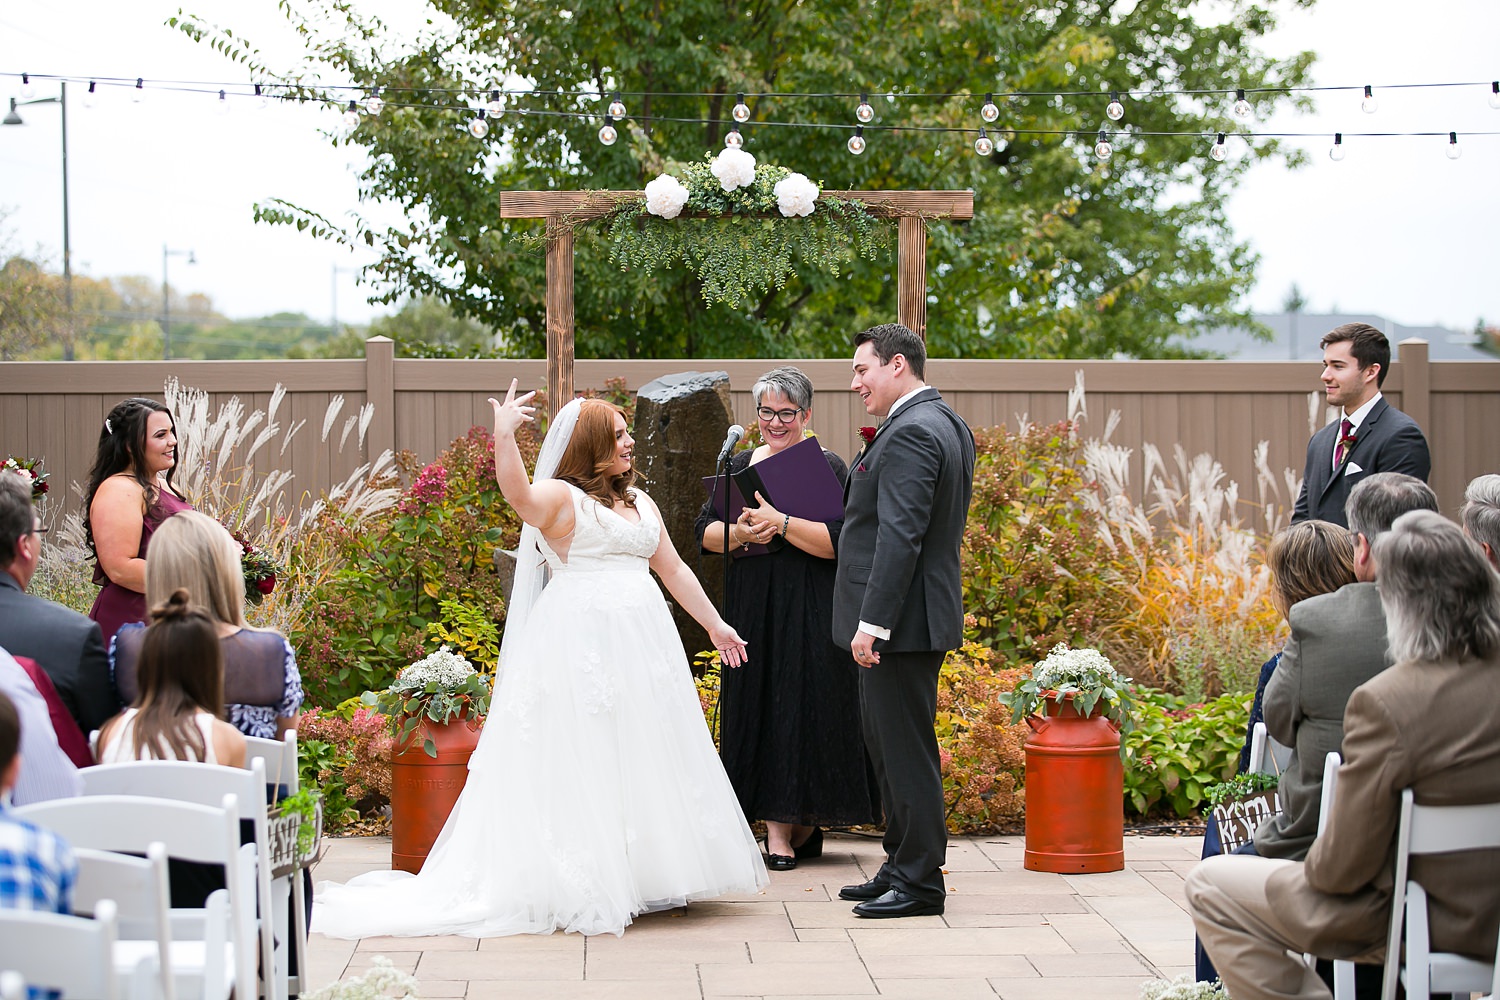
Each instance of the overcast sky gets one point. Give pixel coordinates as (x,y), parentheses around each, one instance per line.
(1395,229)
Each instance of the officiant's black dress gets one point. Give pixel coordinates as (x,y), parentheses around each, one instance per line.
(790,735)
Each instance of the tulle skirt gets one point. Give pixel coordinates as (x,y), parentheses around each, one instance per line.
(595,793)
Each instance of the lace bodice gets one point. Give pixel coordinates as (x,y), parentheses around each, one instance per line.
(603,539)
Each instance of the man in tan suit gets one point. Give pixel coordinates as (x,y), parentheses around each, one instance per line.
(1427,723)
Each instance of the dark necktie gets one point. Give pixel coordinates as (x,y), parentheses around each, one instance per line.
(1346,441)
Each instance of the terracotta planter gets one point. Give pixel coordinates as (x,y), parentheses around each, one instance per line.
(1075,792)
(424,789)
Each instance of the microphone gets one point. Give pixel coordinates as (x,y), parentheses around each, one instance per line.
(730,440)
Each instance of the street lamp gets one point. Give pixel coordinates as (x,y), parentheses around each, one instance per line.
(14,118)
(166,299)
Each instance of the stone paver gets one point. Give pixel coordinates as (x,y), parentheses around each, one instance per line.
(1006,932)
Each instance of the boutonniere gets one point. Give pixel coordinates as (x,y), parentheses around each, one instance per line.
(868,433)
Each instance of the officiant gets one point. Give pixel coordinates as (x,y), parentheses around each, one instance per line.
(790,735)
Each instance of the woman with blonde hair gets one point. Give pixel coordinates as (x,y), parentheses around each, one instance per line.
(262,686)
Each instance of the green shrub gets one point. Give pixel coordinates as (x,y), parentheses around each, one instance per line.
(981,749)
(345,753)
(1177,751)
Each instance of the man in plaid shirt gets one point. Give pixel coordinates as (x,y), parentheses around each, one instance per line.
(37,868)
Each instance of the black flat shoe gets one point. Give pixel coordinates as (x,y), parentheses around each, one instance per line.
(812,847)
(873,889)
(897,903)
(780,862)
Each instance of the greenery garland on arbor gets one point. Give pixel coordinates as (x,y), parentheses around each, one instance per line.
(753,225)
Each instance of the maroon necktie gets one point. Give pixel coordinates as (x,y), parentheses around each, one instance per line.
(1346,441)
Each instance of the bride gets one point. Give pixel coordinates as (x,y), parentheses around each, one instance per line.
(595,793)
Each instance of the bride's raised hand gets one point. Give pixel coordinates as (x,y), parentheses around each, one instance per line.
(729,644)
(514,412)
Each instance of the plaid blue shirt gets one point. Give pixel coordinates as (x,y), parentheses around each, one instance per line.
(37,868)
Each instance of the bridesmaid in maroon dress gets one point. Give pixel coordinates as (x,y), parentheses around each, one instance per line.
(130,494)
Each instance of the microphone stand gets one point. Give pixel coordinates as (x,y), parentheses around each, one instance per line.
(721,490)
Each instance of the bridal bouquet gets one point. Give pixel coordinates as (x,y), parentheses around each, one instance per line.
(440,688)
(1084,675)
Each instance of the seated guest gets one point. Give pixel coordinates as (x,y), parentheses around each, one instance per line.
(63,643)
(177,714)
(1480,515)
(1307,559)
(45,772)
(262,686)
(1441,602)
(1338,642)
(37,868)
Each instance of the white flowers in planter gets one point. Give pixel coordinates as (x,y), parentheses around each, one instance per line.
(795,195)
(665,196)
(734,168)
(447,668)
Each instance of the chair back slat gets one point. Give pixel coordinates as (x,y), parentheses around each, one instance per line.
(62,952)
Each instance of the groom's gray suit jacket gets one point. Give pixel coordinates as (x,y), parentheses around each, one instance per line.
(905,505)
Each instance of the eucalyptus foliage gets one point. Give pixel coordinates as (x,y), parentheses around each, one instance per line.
(1067,255)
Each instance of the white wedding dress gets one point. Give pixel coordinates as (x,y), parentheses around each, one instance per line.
(595,793)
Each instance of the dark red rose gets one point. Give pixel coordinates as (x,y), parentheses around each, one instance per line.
(266,585)
(868,433)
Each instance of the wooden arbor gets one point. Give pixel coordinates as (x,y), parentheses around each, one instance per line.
(911,209)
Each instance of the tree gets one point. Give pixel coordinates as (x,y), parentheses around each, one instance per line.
(1294,303)
(1067,255)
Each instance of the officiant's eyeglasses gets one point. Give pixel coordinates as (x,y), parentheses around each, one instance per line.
(785,416)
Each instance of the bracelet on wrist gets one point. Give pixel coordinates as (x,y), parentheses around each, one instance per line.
(786,521)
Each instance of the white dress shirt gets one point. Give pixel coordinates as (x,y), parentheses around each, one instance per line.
(46,772)
(1355,419)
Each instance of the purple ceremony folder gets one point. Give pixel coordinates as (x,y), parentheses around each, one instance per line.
(796,481)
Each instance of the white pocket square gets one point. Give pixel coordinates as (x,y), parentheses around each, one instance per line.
(1352,468)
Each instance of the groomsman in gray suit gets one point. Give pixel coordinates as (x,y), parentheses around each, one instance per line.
(898,604)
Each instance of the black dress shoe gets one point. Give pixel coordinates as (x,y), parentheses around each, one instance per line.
(896,903)
(873,889)
(812,847)
(780,862)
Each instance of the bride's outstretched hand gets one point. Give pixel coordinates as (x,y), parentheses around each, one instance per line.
(514,412)
(729,644)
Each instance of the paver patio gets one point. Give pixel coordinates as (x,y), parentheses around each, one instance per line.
(1009,932)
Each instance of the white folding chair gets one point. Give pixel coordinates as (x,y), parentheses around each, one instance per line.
(207,784)
(1343,972)
(1434,830)
(1266,755)
(138,888)
(281,766)
(214,948)
(12,986)
(61,951)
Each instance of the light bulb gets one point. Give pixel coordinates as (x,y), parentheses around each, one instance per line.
(1454,152)
(1219,151)
(856,142)
(741,111)
(90,98)
(616,107)
(984,145)
(1336,151)
(261,100)
(494,108)
(733,140)
(1369,105)
(1114,111)
(1495,95)
(864,112)
(989,112)
(374,104)
(139,93)
(223,106)
(351,114)
(607,132)
(1242,108)
(28,89)
(478,127)
(1102,148)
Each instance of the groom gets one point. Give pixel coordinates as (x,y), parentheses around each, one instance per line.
(898,589)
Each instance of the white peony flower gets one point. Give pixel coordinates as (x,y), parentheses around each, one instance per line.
(665,197)
(734,168)
(795,195)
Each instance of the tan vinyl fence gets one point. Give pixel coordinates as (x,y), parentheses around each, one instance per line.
(54,410)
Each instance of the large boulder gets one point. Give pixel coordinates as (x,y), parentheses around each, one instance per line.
(680,423)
